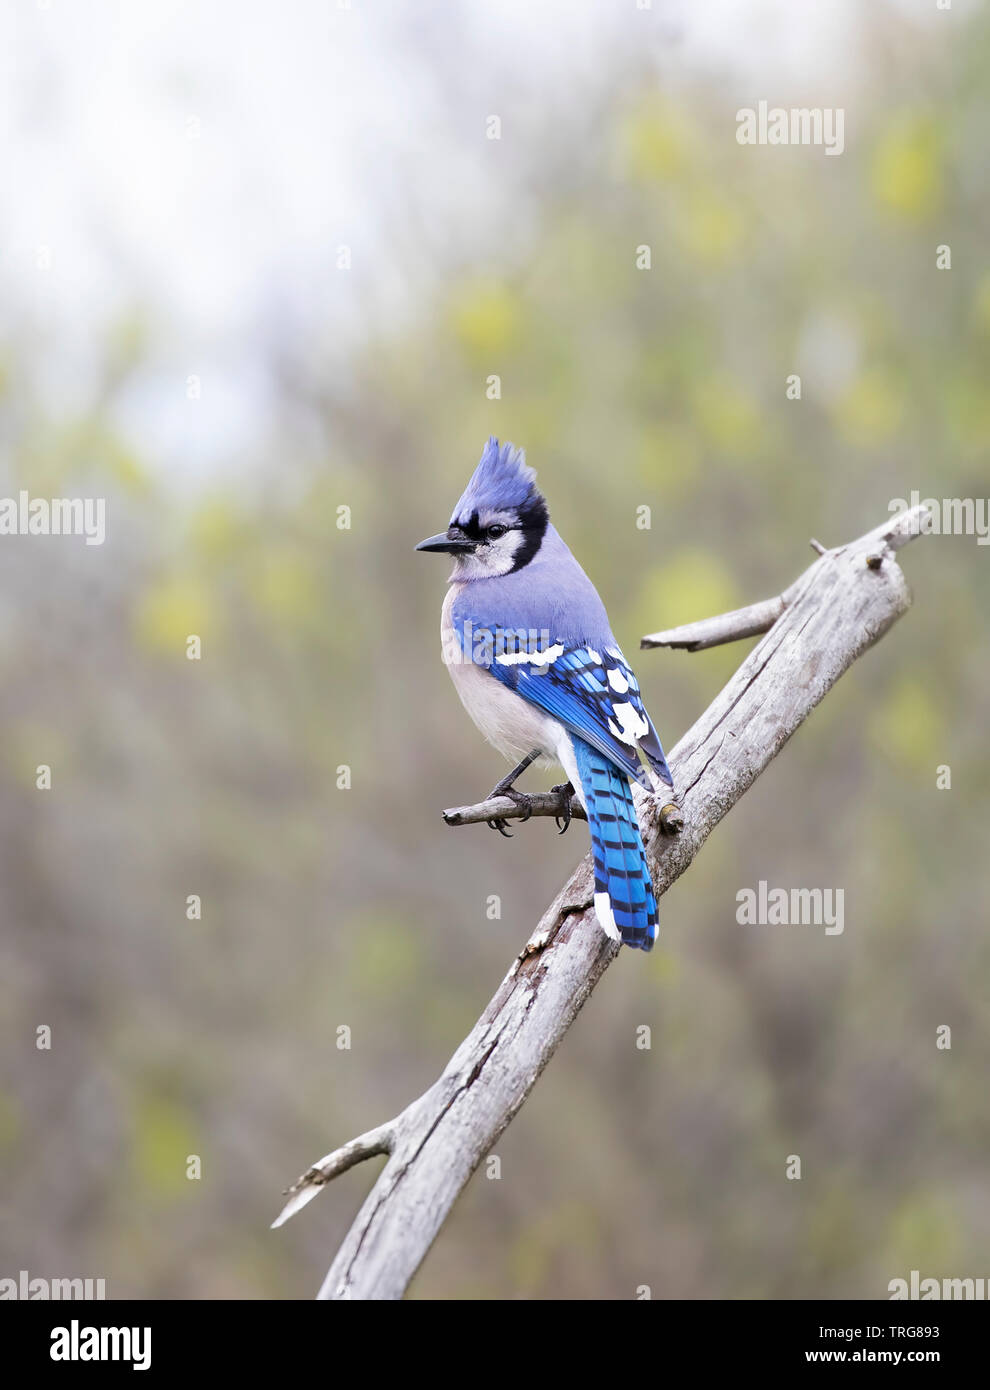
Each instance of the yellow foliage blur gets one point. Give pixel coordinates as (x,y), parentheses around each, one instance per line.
(906,175)
(162,1140)
(485,317)
(214,529)
(908,726)
(655,142)
(711,229)
(283,584)
(692,583)
(872,409)
(728,416)
(172,609)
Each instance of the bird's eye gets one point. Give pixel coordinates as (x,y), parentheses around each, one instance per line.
(495,531)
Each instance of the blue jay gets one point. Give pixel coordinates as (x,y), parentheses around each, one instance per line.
(529,648)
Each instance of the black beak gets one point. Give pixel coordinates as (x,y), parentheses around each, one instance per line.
(452,542)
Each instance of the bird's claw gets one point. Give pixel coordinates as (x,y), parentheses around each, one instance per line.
(564,791)
(520,798)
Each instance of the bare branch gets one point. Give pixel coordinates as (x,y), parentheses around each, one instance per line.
(542,804)
(501,808)
(727,627)
(758,618)
(303,1190)
(843,604)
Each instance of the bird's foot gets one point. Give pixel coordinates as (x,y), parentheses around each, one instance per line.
(519,798)
(564,792)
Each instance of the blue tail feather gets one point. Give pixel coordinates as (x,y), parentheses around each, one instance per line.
(623,887)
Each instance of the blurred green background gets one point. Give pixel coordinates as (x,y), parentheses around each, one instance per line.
(320,388)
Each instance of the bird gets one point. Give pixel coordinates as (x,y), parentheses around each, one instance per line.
(527,642)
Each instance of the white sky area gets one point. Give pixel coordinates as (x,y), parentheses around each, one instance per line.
(204,160)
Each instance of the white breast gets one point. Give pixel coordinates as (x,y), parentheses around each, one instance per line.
(508,721)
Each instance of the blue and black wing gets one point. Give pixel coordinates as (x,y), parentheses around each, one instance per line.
(595,695)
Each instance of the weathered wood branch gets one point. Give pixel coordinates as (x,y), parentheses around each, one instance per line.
(838,608)
(751,621)
(541,804)
(757,618)
(501,808)
(371,1145)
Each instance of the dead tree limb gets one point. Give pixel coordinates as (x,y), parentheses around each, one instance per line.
(815,630)
(540,804)
(758,618)
(501,808)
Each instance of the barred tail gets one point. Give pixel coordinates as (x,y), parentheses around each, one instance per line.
(624,898)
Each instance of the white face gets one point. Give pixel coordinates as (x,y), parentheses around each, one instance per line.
(496,555)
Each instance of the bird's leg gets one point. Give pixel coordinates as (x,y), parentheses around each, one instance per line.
(564,791)
(505,788)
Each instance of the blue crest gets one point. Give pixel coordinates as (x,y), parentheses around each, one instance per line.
(502,480)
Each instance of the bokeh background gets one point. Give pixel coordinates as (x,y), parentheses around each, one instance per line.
(178,336)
